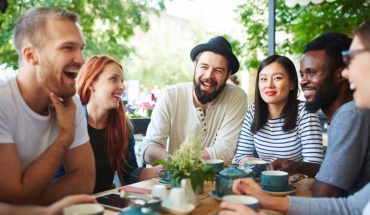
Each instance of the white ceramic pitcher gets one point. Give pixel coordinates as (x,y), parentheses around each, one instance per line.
(192,197)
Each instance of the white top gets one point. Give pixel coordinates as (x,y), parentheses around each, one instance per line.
(31,132)
(271,142)
(174,116)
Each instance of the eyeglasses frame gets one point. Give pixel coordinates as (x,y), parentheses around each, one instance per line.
(348,53)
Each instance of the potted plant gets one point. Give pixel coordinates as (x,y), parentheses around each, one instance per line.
(140,117)
(186,163)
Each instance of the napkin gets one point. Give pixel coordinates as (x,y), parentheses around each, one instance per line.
(134,189)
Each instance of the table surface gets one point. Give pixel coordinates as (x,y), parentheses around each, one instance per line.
(209,205)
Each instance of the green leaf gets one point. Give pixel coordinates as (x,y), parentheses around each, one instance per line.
(301,24)
(107,25)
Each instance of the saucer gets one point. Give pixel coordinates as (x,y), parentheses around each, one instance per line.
(163,181)
(215,195)
(177,211)
(289,190)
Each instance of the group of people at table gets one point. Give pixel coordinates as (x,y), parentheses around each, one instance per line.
(55,144)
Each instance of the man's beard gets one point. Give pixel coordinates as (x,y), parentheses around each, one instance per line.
(203,96)
(49,77)
(324,97)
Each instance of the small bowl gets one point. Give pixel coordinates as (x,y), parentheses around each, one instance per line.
(249,201)
(153,203)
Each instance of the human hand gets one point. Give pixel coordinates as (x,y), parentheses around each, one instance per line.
(286,165)
(229,208)
(66,115)
(243,160)
(57,207)
(247,186)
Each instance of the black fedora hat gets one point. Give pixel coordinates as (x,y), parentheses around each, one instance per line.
(218,45)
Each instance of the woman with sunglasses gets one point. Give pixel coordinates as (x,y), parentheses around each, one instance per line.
(357,60)
(100,87)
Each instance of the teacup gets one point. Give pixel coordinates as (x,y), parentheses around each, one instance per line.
(165,174)
(274,180)
(217,165)
(84,209)
(178,199)
(244,200)
(257,166)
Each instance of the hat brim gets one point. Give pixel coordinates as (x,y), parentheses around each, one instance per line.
(233,61)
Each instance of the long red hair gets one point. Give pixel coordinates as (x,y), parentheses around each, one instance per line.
(118,130)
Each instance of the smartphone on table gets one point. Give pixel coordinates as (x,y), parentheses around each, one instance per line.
(113,201)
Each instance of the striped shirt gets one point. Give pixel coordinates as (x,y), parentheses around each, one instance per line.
(271,142)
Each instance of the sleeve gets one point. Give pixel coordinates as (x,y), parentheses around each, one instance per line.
(311,137)
(312,206)
(5,122)
(245,147)
(132,172)
(227,136)
(159,126)
(81,135)
(347,138)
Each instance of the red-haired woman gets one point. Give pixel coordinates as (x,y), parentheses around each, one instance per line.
(100,86)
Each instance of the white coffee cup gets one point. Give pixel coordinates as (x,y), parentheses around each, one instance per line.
(249,201)
(84,209)
(178,199)
(160,191)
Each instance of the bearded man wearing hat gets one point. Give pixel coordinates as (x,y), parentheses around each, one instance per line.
(207,107)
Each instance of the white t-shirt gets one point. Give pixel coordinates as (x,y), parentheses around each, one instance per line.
(31,132)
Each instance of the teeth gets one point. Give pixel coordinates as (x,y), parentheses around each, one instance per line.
(117,95)
(352,86)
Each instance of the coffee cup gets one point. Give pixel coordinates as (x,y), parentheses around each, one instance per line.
(241,199)
(84,209)
(257,166)
(177,199)
(217,165)
(160,191)
(274,180)
(164,174)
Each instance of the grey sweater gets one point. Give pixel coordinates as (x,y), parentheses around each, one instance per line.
(353,204)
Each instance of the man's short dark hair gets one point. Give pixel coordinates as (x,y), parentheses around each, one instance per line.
(333,44)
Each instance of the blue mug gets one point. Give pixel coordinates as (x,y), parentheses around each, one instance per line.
(257,166)
(274,180)
(165,175)
(217,165)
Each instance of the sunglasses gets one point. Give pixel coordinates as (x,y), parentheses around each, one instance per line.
(349,53)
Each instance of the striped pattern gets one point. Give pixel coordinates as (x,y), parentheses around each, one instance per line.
(271,142)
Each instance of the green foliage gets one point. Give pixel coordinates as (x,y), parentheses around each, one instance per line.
(107,24)
(186,163)
(301,23)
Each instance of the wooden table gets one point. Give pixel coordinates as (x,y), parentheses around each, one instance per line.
(208,205)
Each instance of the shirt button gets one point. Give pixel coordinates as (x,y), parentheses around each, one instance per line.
(205,130)
(205,123)
(202,119)
(201,114)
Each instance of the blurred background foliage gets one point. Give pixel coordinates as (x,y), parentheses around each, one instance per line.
(107,24)
(296,26)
